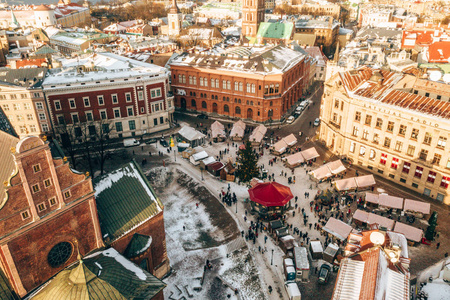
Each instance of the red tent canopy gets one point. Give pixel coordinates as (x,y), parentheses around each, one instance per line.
(270,194)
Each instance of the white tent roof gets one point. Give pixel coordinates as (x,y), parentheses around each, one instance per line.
(199,156)
(364,181)
(418,206)
(296,158)
(238,129)
(354,182)
(258,133)
(280,146)
(290,140)
(337,228)
(410,232)
(217,129)
(316,246)
(310,153)
(385,200)
(328,169)
(208,160)
(190,133)
(371,218)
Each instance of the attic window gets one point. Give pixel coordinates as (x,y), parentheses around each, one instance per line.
(83,83)
(111,81)
(97,82)
(126,79)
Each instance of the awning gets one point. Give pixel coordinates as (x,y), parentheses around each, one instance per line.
(410,232)
(290,140)
(390,201)
(416,206)
(371,198)
(238,129)
(310,153)
(328,170)
(337,228)
(258,134)
(217,130)
(354,182)
(295,159)
(365,181)
(280,146)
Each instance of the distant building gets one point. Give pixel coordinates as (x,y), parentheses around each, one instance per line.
(395,125)
(317,8)
(372,15)
(22,100)
(256,83)
(220,10)
(126,97)
(252,16)
(325,30)
(321,65)
(174,18)
(70,42)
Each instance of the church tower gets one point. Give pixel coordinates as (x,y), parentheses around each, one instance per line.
(174,18)
(252,16)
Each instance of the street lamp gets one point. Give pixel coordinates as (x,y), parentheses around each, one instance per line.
(271,261)
(236,206)
(175,154)
(201,171)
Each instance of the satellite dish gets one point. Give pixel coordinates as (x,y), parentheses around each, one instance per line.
(446,78)
(377,238)
(394,260)
(435,75)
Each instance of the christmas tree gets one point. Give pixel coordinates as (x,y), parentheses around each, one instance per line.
(432,222)
(247,163)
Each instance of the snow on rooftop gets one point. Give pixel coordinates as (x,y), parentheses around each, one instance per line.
(316,246)
(111,252)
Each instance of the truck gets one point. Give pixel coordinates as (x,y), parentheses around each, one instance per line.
(292,290)
(302,266)
(289,269)
(130,142)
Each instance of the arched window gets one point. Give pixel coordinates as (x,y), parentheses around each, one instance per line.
(228,99)
(190,79)
(213,85)
(215,97)
(249,88)
(270,113)
(226,108)
(193,103)
(239,101)
(212,97)
(235,100)
(251,102)
(237,110)
(271,103)
(223,98)
(372,154)
(247,102)
(204,104)
(201,95)
(201,81)
(228,85)
(217,83)
(236,86)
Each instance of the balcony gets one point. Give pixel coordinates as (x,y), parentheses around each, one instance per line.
(272,96)
(335,125)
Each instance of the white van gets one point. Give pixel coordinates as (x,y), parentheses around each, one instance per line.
(130,142)
(303,105)
(292,290)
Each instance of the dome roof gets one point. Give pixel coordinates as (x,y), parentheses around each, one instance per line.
(42,7)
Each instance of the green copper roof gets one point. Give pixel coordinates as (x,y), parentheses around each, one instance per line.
(125,200)
(103,275)
(45,50)
(139,244)
(275,30)
(6,292)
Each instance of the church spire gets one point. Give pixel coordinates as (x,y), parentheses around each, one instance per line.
(336,54)
(174,9)
(14,22)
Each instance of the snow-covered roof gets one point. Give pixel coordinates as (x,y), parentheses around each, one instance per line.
(208,160)
(316,246)
(349,282)
(199,156)
(301,258)
(190,133)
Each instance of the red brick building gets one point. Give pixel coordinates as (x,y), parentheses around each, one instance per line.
(259,84)
(104,88)
(50,212)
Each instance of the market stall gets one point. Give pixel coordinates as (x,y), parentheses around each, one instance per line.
(257,135)
(337,228)
(283,145)
(270,200)
(238,131)
(361,217)
(413,206)
(328,170)
(218,132)
(411,233)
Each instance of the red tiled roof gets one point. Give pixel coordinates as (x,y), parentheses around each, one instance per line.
(439,52)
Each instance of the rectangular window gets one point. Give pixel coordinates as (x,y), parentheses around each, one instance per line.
(431,177)
(398,146)
(375,138)
(437,159)
(103,115)
(25,215)
(418,173)
(75,118)
(132,124)
(119,127)
(89,116)
(427,138)
(142,110)
(383,158)
(35,188)
(5,107)
(52,201)
(130,111)
(402,130)
(362,151)
(213,83)
(442,141)
(406,167)
(365,134)
(390,127)
(415,134)
(44,127)
(355,131)
(336,103)
(357,116)
(47,183)
(86,101)
(78,132)
(155,93)
(67,194)
(30,117)
(411,150)
(16,106)
(394,163)
(41,207)
(32,128)
(57,105)
(161,120)
(387,142)
(444,182)
(423,154)
(37,168)
(72,103)
(224,84)
(117,113)
(27,106)
(105,128)
(368,120)
(352,147)
(128,97)
(42,117)
(141,95)
(155,121)
(379,123)
(114,99)
(101,100)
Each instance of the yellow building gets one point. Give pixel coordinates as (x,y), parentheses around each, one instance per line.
(393,124)
(22,100)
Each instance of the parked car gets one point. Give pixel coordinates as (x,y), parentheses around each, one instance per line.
(130,142)
(317,122)
(324,273)
(202,116)
(164,143)
(303,105)
(298,110)
(151,141)
(290,120)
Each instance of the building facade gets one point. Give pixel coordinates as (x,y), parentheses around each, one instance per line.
(393,124)
(259,84)
(44,194)
(108,93)
(22,100)
(325,30)
(174,17)
(252,16)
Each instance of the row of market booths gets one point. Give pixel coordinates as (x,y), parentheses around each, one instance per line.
(299,158)
(283,145)
(397,204)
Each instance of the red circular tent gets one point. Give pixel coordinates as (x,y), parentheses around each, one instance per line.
(270,194)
